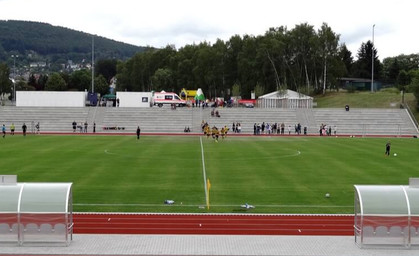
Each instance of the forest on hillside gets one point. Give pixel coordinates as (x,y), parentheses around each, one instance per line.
(35,41)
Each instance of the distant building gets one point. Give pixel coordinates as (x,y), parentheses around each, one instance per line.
(39,64)
(359,84)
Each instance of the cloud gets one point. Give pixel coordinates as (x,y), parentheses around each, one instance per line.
(161,22)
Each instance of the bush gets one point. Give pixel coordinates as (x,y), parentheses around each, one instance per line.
(390,90)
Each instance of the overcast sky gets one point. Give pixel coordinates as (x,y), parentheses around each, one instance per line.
(161,22)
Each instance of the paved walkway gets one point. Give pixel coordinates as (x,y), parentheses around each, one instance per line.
(206,245)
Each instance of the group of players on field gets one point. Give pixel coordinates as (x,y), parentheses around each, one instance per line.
(214,132)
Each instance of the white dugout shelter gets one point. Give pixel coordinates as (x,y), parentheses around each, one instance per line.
(387,216)
(35,213)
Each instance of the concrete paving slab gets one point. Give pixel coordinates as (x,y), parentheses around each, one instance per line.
(173,245)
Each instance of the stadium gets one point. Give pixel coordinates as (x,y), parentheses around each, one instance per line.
(264,193)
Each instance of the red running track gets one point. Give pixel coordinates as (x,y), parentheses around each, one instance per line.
(213,224)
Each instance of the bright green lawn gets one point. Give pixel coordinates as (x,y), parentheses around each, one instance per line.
(362,99)
(276,174)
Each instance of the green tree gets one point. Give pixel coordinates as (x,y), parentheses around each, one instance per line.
(122,77)
(106,68)
(5,83)
(65,76)
(363,66)
(403,79)
(162,79)
(80,80)
(328,41)
(303,44)
(414,87)
(55,83)
(346,58)
(42,81)
(32,81)
(101,85)
(22,85)
(393,65)
(259,90)
(235,91)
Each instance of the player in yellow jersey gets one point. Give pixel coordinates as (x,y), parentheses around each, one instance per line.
(223,132)
(226,130)
(215,133)
(207,131)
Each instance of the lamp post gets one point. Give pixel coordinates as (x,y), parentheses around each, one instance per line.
(372,60)
(93,64)
(14,76)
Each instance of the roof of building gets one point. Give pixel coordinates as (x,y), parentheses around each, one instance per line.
(287,94)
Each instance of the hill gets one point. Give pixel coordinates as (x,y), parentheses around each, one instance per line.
(35,41)
(385,98)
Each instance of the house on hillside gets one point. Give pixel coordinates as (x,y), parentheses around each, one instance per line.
(285,99)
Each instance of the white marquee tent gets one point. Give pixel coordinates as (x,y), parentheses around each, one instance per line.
(285,99)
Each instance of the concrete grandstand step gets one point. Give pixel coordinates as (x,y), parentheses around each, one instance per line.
(165,120)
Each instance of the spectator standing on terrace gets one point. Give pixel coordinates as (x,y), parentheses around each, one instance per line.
(138,132)
(24,127)
(85,126)
(3,129)
(388,145)
(12,129)
(37,128)
(74,126)
(94,127)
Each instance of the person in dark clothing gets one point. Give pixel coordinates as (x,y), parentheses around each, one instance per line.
(24,127)
(94,127)
(37,128)
(138,132)
(74,126)
(388,145)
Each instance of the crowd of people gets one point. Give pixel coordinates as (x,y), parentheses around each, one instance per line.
(82,126)
(214,132)
(326,130)
(276,128)
(24,129)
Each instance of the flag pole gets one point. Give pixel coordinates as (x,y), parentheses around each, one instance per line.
(208,194)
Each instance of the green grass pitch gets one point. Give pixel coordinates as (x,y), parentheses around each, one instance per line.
(275,174)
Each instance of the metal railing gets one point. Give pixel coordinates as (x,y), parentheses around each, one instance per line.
(409,111)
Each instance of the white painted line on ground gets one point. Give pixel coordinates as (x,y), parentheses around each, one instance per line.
(203,170)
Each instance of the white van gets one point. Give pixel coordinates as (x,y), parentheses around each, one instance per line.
(163,97)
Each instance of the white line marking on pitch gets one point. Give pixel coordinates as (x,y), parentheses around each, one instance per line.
(203,170)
